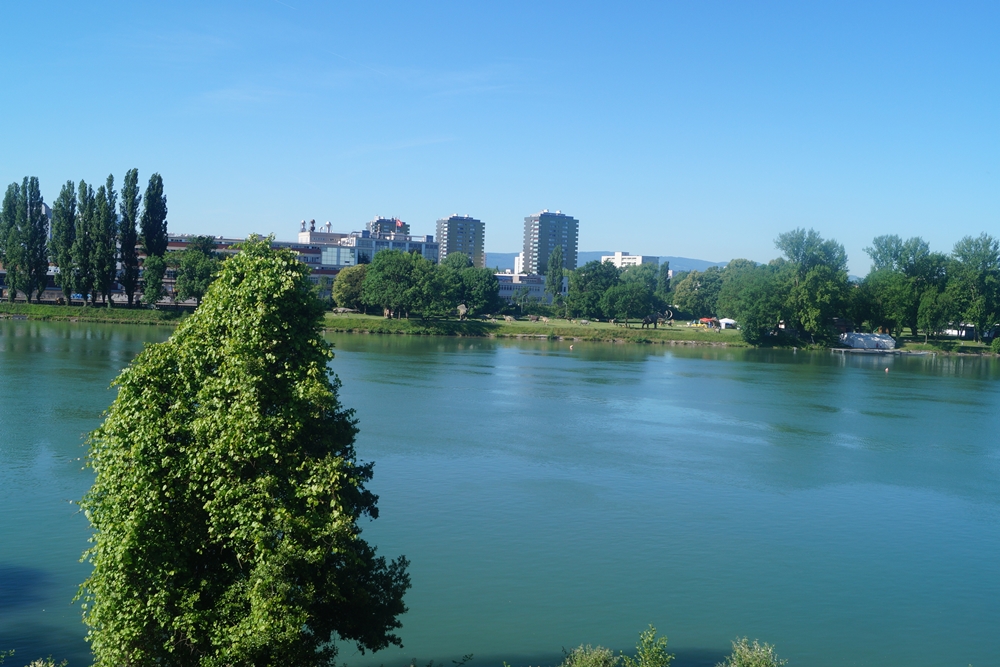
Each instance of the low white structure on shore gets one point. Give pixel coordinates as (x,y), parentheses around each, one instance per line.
(864,341)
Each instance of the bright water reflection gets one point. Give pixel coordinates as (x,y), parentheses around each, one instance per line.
(549,497)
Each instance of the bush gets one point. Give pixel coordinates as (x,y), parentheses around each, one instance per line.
(746,654)
(995,345)
(591,656)
(651,651)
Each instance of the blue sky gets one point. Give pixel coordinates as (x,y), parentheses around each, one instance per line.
(699,129)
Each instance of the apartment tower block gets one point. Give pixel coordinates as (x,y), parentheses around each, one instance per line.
(461,233)
(542,233)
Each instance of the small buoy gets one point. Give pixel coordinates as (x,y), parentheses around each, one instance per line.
(887,370)
(571,347)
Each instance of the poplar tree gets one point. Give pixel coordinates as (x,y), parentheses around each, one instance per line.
(128,235)
(104,224)
(154,218)
(63,235)
(83,245)
(34,238)
(227,491)
(554,273)
(9,238)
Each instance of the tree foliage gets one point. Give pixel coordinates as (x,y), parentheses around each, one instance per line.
(154,218)
(698,292)
(747,654)
(83,242)
(228,493)
(587,286)
(63,235)
(196,268)
(128,237)
(554,273)
(104,236)
(154,268)
(347,287)
(627,300)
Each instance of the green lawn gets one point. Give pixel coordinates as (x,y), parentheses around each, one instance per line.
(596,331)
(90,314)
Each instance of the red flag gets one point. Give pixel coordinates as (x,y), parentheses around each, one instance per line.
(399,223)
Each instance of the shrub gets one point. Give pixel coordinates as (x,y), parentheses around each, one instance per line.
(651,651)
(995,345)
(591,656)
(746,654)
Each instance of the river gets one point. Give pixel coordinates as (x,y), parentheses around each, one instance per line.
(549,497)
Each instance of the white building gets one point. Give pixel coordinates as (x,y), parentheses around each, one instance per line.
(622,260)
(513,285)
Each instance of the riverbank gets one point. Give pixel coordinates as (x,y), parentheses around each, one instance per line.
(556,329)
(96,314)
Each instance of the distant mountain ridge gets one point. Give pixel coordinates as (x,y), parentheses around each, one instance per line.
(505,260)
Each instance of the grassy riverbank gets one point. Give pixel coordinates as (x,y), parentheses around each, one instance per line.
(557,328)
(89,314)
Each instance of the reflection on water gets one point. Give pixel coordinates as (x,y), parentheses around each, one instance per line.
(549,497)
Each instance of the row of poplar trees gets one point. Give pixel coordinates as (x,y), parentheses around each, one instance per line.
(94,238)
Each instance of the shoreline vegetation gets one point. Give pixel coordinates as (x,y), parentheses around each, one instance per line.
(555,329)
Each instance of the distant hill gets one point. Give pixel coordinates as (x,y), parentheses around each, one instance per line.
(505,260)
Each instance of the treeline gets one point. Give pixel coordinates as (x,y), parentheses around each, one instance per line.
(405,284)
(808,291)
(93,243)
(599,290)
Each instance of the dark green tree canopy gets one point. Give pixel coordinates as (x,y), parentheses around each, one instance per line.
(587,286)
(154,218)
(457,261)
(128,237)
(228,493)
(196,268)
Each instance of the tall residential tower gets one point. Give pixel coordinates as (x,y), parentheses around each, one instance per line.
(542,233)
(460,233)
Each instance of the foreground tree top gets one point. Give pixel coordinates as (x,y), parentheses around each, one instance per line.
(227,495)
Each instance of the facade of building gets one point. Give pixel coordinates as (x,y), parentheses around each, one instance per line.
(622,259)
(543,231)
(380,227)
(461,233)
(513,285)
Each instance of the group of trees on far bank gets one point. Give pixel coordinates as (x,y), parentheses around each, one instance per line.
(405,284)
(808,289)
(94,239)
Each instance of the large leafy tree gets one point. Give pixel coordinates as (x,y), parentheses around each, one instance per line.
(697,292)
(974,280)
(26,231)
(104,235)
(388,282)
(83,242)
(627,300)
(481,290)
(817,286)
(754,298)
(347,287)
(154,267)
(154,218)
(196,268)
(63,235)
(587,286)
(913,260)
(128,237)
(227,493)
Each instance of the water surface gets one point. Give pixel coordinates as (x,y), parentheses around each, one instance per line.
(549,497)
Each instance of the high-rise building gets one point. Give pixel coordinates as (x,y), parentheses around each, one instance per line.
(461,233)
(381,228)
(542,233)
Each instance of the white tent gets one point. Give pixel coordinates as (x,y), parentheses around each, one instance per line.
(863,341)
(726,323)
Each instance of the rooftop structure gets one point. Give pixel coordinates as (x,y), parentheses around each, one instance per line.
(380,227)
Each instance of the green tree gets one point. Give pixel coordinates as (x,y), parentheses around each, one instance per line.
(35,236)
(698,292)
(817,285)
(754,299)
(458,261)
(627,300)
(154,218)
(889,294)
(347,287)
(128,237)
(154,268)
(974,280)
(227,492)
(104,235)
(554,274)
(480,291)
(388,282)
(83,242)
(587,286)
(912,259)
(196,268)
(663,282)
(10,240)
(651,651)
(63,235)
(935,310)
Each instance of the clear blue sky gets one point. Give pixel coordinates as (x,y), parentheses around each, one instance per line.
(699,129)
